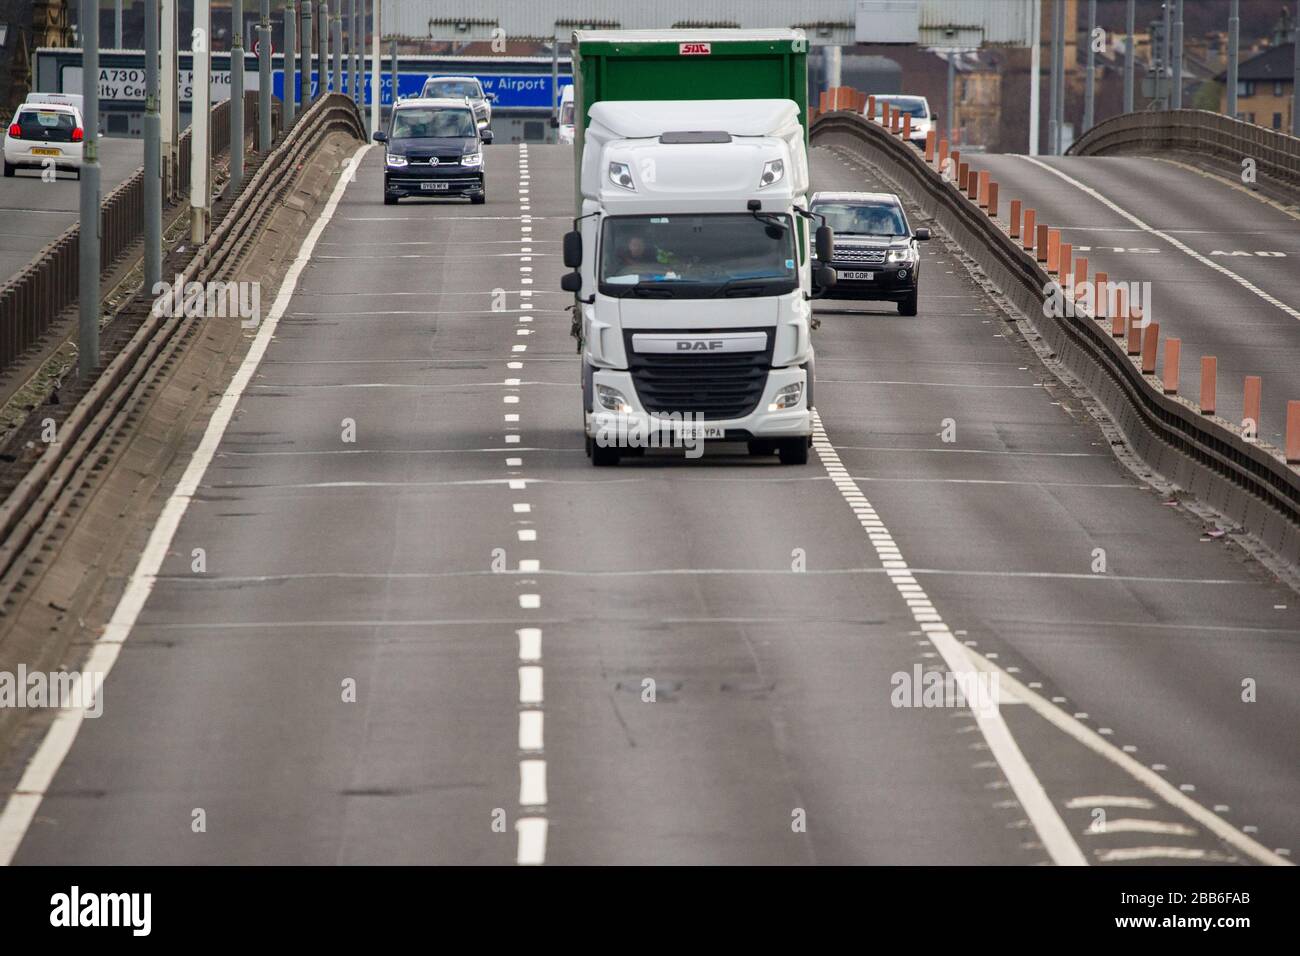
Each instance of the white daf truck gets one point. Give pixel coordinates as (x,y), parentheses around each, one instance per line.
(693,271)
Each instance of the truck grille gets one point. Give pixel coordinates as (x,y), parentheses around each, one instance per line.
(720,386)
(868,256)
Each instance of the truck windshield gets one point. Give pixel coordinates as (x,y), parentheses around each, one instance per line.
(863,219)
(699,256)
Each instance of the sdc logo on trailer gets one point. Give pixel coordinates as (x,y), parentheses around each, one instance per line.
(695,49)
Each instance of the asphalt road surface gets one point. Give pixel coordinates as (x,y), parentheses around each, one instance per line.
(428,631)
(33,212)
(1189,228)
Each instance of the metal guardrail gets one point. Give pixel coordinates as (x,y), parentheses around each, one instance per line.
(1276,154)
(31,300)
(1204,455)
(32,512)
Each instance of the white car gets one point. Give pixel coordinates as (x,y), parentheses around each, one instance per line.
(564,133)
(461,88)
(918,106)
(44,131)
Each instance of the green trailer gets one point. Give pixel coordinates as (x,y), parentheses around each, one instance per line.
(687,65)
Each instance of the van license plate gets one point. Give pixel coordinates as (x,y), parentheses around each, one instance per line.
(434,186)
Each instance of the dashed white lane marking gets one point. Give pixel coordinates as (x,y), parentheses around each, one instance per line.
(1132,825)
(1102,800)
(527,534)
(1132,854)
(1177,244)
(1052,831)
(23,804)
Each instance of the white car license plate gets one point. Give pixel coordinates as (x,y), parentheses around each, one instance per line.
(694,432)
(434,186)
(857,276)
(46,151)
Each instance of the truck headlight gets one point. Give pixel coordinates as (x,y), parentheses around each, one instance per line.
(620,174)
(788,397)
(472,159)
(773,172)
(395,160)
(612,399)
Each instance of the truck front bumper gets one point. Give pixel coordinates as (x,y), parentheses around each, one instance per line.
(670,428)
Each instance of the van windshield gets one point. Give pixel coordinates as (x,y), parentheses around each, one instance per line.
(416,123)
(452,89)
(699,256)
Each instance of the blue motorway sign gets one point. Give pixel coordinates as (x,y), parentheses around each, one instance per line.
(513,90)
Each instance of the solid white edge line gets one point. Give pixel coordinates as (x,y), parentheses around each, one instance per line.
(1180,246)
(23,804)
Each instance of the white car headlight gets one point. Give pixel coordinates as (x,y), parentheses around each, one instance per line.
(612,399)
(472,159)
(773,172)
(393,159)
(788,397)
(620,174)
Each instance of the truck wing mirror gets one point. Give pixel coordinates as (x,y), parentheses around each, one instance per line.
(571,282)
(572,251)
(923,234)
(825,278)
(825,243)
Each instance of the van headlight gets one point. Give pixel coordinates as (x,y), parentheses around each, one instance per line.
(472,159)
(394,160)
(620,174)
(612,399)
(773,172)
(788,397)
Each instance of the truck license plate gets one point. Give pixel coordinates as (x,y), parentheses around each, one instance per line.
(693,432)
(434,186)
(857,276)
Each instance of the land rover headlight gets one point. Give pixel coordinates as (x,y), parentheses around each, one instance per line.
(472,159)
(900,255)
(788,397)
(620,174)
(612,399)
(393,159)
(773,172)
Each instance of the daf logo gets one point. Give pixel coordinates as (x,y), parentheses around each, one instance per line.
(699,346)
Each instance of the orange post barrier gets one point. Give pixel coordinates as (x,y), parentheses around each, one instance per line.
(1040,248)
(955,156)
(821,102)
(929,146)
(1150,342)
(1119,314)
(1250,404)
(1053,250)
(1209,380)
(1065,260)
(991,200)
(871,108)
(1101,296)
(1173,351)
(963,176)
(942,157)
(1080,270)
(907,126)
(1135,331)
(1030,230)
(973,186)
(897,122)
(1013,224)
(1292,432)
